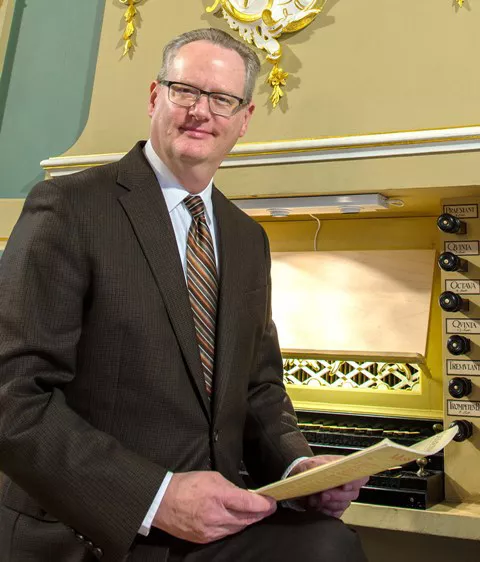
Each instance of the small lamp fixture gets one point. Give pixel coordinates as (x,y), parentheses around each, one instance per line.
(314,205)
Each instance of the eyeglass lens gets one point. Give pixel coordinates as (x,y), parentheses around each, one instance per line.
(221,104)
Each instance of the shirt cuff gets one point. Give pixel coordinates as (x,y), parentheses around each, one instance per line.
(147,522)
(292,466)
(292,504)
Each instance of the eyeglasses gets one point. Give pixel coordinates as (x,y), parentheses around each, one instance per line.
(187,96)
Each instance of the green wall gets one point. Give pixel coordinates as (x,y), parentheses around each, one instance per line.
(46,85)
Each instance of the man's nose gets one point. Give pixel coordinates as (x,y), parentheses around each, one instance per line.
(201,108)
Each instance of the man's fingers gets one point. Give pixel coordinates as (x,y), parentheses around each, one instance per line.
(356,484)
(313,462)
(318,500)
(340,495)
(203,507)
(242,501)
(241,519)
(243,508)
(333,500)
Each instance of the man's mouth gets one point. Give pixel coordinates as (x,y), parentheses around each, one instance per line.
(196,133)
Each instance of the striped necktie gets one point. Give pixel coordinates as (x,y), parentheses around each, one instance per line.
(202,284)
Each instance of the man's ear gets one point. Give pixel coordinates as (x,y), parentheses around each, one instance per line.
(153,97)
(246,118)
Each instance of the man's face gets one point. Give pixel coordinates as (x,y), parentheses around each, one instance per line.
(184,136)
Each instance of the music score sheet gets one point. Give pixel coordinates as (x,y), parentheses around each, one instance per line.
(374,459)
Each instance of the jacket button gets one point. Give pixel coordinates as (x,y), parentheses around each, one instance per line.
(98,552)
(215,436)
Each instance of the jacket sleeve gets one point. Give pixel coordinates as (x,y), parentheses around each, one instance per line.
(272,438)
(80,475)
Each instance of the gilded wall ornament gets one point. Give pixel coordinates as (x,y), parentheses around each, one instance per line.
(129,17)
(262,22)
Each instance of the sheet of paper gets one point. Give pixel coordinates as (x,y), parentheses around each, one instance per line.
(379,457)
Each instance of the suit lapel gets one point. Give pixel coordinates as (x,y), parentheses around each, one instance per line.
(146,209)
(229,293)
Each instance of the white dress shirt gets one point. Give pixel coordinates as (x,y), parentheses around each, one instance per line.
(174,194)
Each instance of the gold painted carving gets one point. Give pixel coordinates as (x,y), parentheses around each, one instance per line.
(129,31)
(276,79)
(350,374)
(262,22)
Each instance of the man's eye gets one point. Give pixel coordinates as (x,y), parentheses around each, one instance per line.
(223,100)
(185,91)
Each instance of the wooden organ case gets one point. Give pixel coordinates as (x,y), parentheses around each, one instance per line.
(347,399)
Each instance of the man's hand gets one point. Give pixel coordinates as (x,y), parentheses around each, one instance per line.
(203,507)
(335,500)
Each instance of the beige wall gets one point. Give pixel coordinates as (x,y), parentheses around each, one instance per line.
(361,67)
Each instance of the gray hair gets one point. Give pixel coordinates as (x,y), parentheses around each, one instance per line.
(222,39)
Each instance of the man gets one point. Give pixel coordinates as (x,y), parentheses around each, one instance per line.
(139,365)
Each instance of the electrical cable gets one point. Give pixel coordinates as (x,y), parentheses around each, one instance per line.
(316,233)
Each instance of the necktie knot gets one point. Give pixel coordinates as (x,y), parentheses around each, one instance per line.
(195,205)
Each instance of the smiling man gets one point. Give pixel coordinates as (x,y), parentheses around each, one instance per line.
(139,364)
(209,110)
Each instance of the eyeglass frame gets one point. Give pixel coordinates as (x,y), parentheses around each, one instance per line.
(168,83)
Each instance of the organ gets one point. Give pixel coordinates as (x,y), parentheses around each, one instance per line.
(350,394)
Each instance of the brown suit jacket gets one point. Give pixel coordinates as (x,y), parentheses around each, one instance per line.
(101,385)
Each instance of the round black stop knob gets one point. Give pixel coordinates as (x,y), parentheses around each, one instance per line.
(458,387)
(451,302)
(465,429)
(450,224)
(458,345)
(451,262)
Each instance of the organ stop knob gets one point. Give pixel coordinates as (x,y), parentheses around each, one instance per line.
(451,262)
(458,345)
(465,429)
(458,387)
(451,302)
(450,224)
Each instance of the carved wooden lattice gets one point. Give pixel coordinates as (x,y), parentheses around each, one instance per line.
(350,374)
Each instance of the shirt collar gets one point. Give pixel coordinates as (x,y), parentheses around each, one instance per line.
(173,192)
